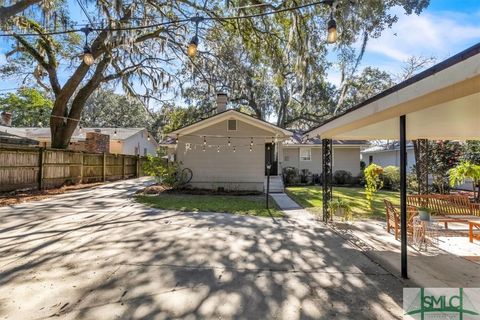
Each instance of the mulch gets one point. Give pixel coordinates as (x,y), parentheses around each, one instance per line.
(159,189)
(19,196)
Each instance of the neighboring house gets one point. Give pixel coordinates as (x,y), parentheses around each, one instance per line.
(388,155)
(133,141)
(306,153)
(231,150)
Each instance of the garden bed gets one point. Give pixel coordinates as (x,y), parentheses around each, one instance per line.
(159,189)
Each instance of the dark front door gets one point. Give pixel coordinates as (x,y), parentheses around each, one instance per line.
(270,157)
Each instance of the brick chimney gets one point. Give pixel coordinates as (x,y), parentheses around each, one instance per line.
(6,119)
(221,102)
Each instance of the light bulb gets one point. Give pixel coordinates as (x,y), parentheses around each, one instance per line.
(88,58)
(332,31)
(192,47)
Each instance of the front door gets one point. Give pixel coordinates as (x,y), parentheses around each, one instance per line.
(270,157)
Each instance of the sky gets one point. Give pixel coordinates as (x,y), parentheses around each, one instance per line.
(445,28)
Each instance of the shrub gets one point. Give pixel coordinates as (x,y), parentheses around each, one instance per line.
(291,176)
(305,175)
(340,207)
(165,172)
(342,177)
(391,177)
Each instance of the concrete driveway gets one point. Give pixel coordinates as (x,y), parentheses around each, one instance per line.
(95,254)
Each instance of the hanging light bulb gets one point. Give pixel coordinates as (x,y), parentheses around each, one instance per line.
(115,132)
(229,141)
(87,56)
(204,141)
(192,47)
(234,149)
(80,129)
(193,44)
(203,148)
(251,141)
(176,139)
(218,148)
(251,149)
(148,136)
(332,29)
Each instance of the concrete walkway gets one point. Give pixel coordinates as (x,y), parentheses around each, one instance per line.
(96,254)
(284,202)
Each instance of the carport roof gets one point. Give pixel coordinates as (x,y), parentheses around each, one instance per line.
(442,102)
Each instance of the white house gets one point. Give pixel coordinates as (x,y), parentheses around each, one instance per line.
(388,154)
(232,150)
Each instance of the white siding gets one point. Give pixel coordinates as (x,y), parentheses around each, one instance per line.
(139,140)
(240,170)
(344,158)
(389,158)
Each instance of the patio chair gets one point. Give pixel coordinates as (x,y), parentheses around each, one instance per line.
(393,218)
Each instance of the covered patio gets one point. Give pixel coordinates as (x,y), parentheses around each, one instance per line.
(440,103)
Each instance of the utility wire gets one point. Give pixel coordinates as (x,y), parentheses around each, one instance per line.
(155,25)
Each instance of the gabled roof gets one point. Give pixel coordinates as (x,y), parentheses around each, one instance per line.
(393,146)
(302,139)
(227,115)
(13,139)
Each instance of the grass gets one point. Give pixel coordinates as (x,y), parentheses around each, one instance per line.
(310,197)
(245,205)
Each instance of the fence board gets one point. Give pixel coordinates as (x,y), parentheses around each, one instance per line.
(27,168)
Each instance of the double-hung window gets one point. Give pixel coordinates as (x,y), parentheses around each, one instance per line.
(305,154)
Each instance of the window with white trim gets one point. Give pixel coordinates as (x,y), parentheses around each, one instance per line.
(305,154)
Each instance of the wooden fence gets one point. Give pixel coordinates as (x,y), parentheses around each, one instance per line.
(40,168)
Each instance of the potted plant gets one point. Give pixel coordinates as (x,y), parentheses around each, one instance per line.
(341,208)
(424,213)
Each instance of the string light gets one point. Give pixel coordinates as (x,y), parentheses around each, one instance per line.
(229,141)
(218,148)
(204,140)
(193,44)
(176,139)
(88,58)
(331,29)
(203,148)
(251,149)
(234,149)
(251,142)
(115,132)
(148,136)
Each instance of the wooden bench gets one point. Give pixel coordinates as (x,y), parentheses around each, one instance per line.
(445,205)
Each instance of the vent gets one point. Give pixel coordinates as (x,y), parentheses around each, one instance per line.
(232,125)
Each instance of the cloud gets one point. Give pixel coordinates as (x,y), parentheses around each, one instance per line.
(438,34)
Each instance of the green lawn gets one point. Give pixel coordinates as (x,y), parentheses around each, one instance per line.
(311,198)
(247,205)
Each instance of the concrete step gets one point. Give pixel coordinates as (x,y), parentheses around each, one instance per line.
(276,184)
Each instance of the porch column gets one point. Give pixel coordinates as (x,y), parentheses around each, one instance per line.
(327,151)
(403,196)
(421,164)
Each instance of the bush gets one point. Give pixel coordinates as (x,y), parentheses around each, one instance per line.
(290,176)
(305,176)
(164,172)
(391,177)
(342,177)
